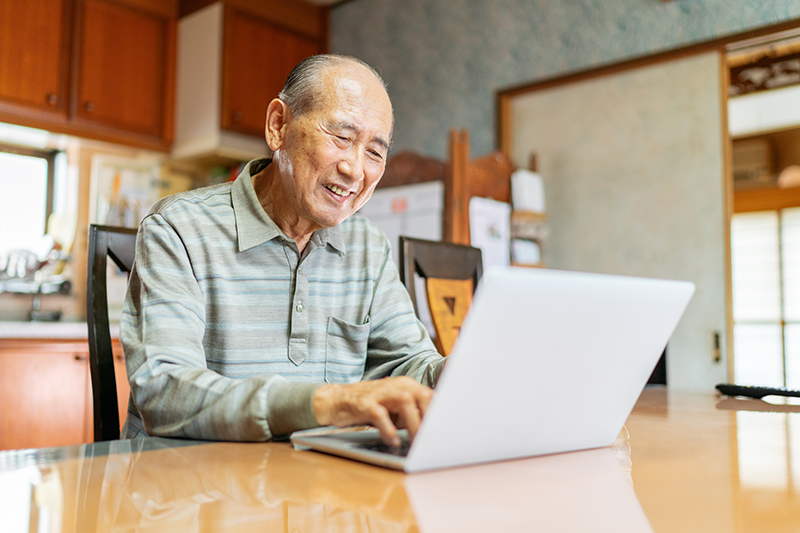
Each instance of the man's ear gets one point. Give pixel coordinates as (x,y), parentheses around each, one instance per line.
(278,116)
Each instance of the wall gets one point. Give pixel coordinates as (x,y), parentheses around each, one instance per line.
(445,59)
(624,197)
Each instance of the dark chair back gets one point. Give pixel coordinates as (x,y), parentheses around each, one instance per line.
(120,245)
(451,273)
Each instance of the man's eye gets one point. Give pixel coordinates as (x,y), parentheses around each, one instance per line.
(376,155)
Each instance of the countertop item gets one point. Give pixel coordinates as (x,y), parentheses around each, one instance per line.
(49,330)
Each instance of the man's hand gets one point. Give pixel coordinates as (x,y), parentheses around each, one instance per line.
(387,404)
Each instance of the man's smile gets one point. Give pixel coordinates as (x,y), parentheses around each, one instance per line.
(338,191)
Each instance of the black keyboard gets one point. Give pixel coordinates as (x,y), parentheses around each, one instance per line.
(751,391)
(379,446)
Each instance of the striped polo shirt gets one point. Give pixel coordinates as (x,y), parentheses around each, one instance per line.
(228,329)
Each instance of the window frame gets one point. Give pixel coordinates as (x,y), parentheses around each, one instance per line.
(769,199)
(50,157)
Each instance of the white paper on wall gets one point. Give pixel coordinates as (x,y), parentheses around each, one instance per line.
(490,229)
(409,210)
(527,191)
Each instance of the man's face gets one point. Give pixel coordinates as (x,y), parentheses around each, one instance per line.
(336,152)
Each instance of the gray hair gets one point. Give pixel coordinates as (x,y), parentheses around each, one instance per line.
(302,92)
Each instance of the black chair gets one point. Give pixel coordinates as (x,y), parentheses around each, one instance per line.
(451,273)
(120,245)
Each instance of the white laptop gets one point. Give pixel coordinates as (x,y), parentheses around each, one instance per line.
(546,362)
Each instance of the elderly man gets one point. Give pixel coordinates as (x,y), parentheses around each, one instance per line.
(265,306)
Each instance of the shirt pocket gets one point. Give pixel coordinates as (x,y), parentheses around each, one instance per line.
(345,351)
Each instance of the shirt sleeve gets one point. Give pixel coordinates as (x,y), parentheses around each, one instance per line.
(173,391)
(398,343)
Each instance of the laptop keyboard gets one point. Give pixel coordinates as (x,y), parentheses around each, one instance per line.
(379,446)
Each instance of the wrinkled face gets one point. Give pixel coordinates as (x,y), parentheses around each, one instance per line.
(336,152)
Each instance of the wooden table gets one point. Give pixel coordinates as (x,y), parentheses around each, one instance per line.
(685,462)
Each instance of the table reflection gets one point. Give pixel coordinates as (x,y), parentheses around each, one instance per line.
(692,462)
(216,487)
(580,491)
(153,485)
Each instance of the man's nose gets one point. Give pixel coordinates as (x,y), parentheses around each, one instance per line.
(352,164)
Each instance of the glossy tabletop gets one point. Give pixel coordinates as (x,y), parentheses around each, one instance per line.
(683,462)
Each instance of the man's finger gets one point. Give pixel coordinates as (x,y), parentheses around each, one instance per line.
(380,419)
(409,413)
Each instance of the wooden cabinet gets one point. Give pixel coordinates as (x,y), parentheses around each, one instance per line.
(101,69)
(42,395)
(257,58)
(34,55)
(46,395)
(121,74)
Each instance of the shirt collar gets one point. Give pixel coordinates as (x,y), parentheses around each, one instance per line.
(254,226)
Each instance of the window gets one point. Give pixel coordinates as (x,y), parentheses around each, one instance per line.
(765,259)
(26,179)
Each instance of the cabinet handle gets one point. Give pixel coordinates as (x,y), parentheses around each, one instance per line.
(52,99)
(237,116)
(89,106)
(80,357)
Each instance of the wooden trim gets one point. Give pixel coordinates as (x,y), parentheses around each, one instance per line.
(766,199)
(187,7)
(169,69)
(75,62)
(228,79)
(325,38)
(68,22)
(168,9)
(46,345)
(83,129)
(407,168)
(727,203)
(504,123)
(293,15)
(456,214)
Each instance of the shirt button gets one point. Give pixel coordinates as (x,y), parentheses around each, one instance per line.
(299,269)
(299,308)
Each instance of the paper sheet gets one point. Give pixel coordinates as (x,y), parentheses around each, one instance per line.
(490,230)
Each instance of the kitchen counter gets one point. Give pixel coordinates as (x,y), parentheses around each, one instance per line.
(48,330)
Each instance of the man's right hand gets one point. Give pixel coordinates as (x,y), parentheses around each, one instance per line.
(387,404)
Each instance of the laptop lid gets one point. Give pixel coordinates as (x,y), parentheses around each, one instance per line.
(546,361)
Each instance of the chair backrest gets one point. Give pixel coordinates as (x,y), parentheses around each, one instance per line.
(451,273)
(120,245)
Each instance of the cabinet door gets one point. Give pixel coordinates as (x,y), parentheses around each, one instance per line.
(120,79)
(34,54)
(257,59)
(43,396)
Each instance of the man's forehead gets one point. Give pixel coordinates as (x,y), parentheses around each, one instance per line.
(356,99)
